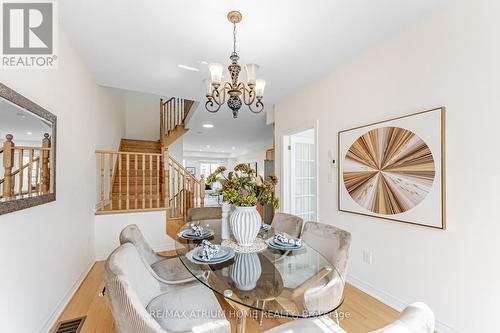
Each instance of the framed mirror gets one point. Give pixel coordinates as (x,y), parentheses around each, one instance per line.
(27,153)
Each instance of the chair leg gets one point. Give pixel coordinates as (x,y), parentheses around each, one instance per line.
(337,317)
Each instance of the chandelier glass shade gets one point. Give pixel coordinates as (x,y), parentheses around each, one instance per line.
(234,92)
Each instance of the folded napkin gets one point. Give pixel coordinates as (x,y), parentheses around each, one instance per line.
(209,250)
(265,227)
(287,240)
(198,230)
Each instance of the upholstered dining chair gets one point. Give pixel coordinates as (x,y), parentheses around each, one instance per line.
(416,318)
(204,213)
(332,242)
(169,269)
(315,294)
(141,303)
(287,223)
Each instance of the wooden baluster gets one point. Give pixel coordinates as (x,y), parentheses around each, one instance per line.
(103,181)
(150,181)
(45,171)
(192,205)
(176,107)
(20,173)
(110,195)
(169,113)
(120,181)
(37,174)
(196,193)
(179,212)
(143,181)
(166,166)
(136,157)
(128,181)
(30,170)
(185,194)
(8,164)
(183,112)
(161,120)
(158,181)
(202,191)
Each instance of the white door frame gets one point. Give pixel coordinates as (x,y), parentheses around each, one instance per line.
(285,163)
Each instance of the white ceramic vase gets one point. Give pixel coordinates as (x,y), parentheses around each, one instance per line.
(245,225)
(246,271)
(226,209)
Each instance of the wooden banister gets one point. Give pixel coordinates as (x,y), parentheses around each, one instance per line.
(22,178)
(144,181)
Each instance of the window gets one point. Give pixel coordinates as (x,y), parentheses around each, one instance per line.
(208,168)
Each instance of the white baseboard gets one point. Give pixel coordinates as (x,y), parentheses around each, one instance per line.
(393,301)
(51,320)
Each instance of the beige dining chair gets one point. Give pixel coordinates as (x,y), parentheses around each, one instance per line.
(168,269)
(416,318)
(325,289)
(287,223)
(204,213)
(332,242)
(141,303)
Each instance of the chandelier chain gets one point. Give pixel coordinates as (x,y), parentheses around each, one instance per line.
(234,37)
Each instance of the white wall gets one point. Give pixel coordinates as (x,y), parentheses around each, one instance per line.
(143,116)
(46,250)
(151,224)
(450,58)
(143,120)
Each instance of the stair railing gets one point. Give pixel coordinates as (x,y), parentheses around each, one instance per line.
(26,170)
(183,190)
(173,113)
(129,181)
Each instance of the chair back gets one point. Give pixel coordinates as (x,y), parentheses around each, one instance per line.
(132,234)
(287,223)
(204,213)
(415,318)
(130,287)
(333,243)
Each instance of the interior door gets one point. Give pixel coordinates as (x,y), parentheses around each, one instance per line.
(303,192)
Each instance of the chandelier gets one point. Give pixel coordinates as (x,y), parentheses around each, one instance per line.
(236,93)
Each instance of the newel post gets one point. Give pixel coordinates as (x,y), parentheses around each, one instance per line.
(202,190)
(45,169)
(8,164)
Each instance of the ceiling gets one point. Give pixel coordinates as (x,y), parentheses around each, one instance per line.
(229,137)
(138,45)
(26,127)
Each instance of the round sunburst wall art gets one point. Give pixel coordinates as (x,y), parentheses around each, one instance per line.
(388,170)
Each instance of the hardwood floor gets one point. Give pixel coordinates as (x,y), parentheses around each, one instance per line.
(362,312)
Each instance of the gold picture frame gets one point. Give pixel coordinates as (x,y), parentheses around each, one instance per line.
(441,164)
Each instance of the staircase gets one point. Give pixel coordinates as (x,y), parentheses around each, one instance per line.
(142,176)
(137,177)
(174,114)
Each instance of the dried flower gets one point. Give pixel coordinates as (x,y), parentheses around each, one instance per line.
(241,168)
(273,179)
(243,188)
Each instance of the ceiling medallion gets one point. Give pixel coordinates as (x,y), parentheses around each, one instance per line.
(236,93)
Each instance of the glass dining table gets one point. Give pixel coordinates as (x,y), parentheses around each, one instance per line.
(298,284)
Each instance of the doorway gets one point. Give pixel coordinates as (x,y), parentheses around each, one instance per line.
(300,174)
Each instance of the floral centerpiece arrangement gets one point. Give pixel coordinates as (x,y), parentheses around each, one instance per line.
(244,189)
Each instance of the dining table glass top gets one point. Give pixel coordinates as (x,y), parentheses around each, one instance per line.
(299,283)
